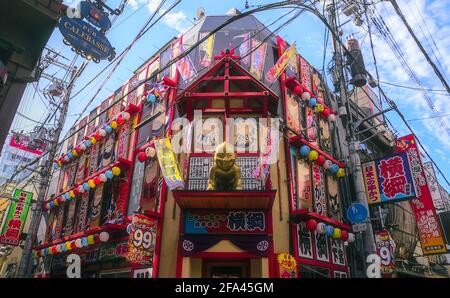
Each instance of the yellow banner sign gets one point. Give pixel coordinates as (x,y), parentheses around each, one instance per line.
(168,164)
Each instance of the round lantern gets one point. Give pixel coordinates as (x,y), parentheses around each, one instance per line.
(91,183)
(344,235)
(87,144)
(58,248)
(90,239)
(102,177)
(59,200)
(74,153)
(72,245)
(327,164)
(321,228)
(67,196)
(55,166)
(104,236)
(340,173)
(126,116)
(76,191)
(69,155)
(351,238)
(102,132)
(311,224)
(59,163)
(332,118)
(97,181)
(115,171)
(96,238)
(86,186)
(63,247)
(78,243)
(67,245)
(142,157)
(329,230)
(55,202)
(81,189)
(304,150)
(151,98)
(109,174)
(334,168)
(83,146)
(72,194)
(313,155)
(306,96)
(120,120)
(320,160)
(84,242)
(54,250)
(298,90)
(325,113)
(66,158)
(108,129)
(337,233)
(312,102)
(113,124)
(92,140)
(319,108)
(150,152)
(78,149)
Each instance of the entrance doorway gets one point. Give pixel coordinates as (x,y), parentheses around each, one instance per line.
(226,269)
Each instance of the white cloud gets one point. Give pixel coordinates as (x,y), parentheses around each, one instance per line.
(177,21)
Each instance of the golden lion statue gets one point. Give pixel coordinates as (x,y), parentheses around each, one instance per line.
(225,175)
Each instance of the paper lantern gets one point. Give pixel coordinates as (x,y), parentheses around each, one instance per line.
(306,96)
(126,116)
(55,202)
(97,238)
(67,244)
(320,160)
(55,166)
(304,150)
(54,250)
(329,230)
(332,118)
(67,196)
(311,224)
(69,155)
(298,90)
(313,155)
(312,102)
(84,242)
(108,129)
(344,235)
(113,124)
(109,174)
(150,152)
(72,245)
(327,164)
(142,157)
(74,153)
(334,168)
(351,238)
(90,239)
(102,177)
(104,236)
(325,113)
(87,144)
(76,191)
(92,140)
(336,233)
(66,158)
(80,189)
(319,108)
(59,163)
(115,171)
(102,132)
(97,181)
(151,98)
(83,147)
(86,186)
(78,243)
(321,228)
(63,247)
(91,183)
(78,149)
(340,173)
(58,248)
(72,194)
(120,120)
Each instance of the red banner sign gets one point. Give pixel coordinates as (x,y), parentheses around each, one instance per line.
(430,233)
(21,141)
(142,239)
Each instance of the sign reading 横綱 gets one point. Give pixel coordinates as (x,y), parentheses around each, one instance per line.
(430,233)
(142,239)
(388,179)
(17,215)
(225,222)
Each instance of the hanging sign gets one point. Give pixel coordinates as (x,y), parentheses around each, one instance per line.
(287,266)
(184,65)
(94,15)
(142,239)
(388,179)
(23,142)
(430,233)
(274,72)
(433,185)
(225,222)
(86,39)
(111,251)
(16,218)
(386,250)
(169,166)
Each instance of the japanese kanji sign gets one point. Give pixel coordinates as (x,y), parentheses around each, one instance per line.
(430,233)
(142,239)
(386,250)
(388,179)
(287,266)
(17,215)
(225,222)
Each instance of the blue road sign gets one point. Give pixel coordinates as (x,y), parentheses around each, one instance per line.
(357,213)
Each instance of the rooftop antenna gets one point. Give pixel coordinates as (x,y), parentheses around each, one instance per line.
(200,13)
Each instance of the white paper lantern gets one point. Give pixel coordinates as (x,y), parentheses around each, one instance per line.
(66,158)
(351,238)
(83,147)
(78,243)
(332,118)
(81,189)
(102,132)
(126,115)
(321,228)
(102,177)
(58,248)
(327,164)
(104,236)
(150,152)
(306,96)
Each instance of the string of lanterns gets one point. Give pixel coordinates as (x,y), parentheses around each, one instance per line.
(312,155)
(94,138)
(316,104)
(335,233)
(74,244)
(149,153)
(86,186)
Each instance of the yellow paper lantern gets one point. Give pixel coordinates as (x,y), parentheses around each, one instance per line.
(91,183)
(59,163)
(313,155)
(74,153)
(337,233)
(319,108)
(92,140)
(56,202)
(115,171)
(71,194)
(340,173)
(90,239)
(67,244)
(113,124)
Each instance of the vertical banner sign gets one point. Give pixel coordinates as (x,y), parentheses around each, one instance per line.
(258,57)
(386,250)
(169,166)
(244,48)
(274,72)
(287,266)
(320,203)
(388,179)
(16,217)
(185,66)
(206,49)
(305,70)
(433,185)
(430,233)
(304,185)
(142,239)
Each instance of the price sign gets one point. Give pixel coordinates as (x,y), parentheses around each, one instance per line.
(142,239)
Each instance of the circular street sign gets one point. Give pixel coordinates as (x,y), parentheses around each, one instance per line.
(357,213)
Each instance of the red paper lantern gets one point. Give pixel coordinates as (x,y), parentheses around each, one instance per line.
(142,157)
(59,200)
(120,120)
(97,238)
(72,245)
(311,224)
(320,160)
(320,100)
(54,249)
(76,191)
(78,149)
(298,90)
(344,235)
(97,181)
(97,136)
(326,113)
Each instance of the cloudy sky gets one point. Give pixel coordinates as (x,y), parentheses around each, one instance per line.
(428,18)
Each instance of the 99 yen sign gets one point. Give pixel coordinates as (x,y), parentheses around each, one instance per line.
(142,239)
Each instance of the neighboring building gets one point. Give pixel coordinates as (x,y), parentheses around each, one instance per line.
(194,232)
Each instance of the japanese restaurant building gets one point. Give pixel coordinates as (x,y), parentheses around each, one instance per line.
(131,203)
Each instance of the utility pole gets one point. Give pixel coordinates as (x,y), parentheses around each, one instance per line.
(45,174)
(344,108)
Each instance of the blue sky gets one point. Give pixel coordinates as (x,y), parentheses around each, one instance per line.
(308,33)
